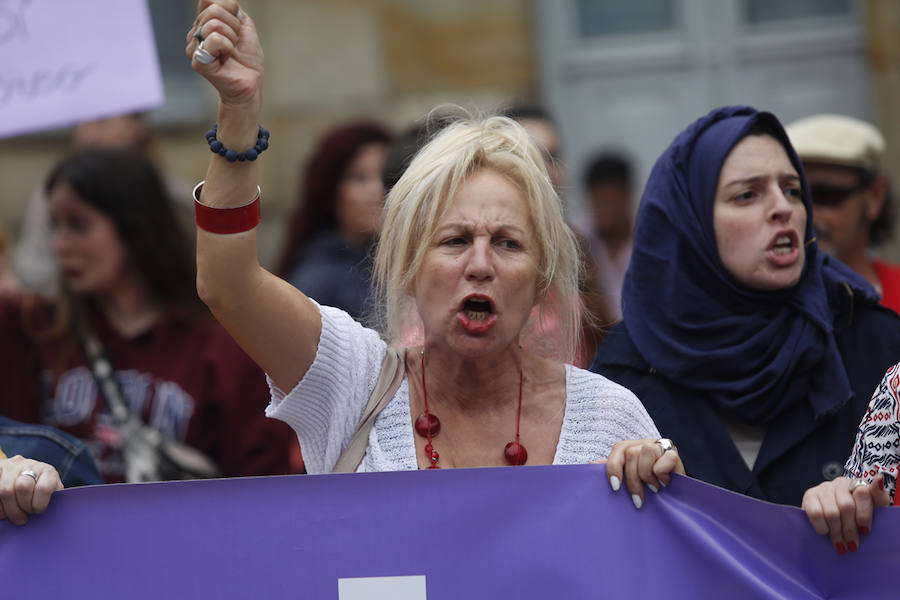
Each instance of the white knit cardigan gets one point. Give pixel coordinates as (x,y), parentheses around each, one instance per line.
(325,407)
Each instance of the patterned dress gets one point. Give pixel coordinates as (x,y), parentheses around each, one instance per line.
(877,446)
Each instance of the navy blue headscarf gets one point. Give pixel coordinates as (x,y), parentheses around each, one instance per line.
(757,353)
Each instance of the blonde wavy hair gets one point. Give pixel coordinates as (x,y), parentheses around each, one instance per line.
(418,202)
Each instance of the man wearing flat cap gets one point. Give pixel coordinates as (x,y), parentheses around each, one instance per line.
(852,208)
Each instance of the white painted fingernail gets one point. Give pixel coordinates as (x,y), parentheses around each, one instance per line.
(240,15)
(663,483)
(614,483)
(653,488)
(637,500)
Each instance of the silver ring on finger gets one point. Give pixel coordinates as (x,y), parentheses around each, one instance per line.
(203,56)
(666,444)
(29,473)
(857,483)
(199,35)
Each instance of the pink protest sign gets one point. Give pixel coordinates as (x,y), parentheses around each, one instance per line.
(64,62)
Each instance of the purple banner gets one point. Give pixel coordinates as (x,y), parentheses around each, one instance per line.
(527,533)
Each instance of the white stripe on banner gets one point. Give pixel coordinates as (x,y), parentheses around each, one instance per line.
(382,588)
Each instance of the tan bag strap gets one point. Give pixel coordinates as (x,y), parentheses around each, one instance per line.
(392,369)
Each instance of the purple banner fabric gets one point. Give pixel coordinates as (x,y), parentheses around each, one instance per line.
(527,533)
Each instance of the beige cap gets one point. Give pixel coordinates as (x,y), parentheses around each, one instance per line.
(837,139)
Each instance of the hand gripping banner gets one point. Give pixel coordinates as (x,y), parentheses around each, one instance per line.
(524,533)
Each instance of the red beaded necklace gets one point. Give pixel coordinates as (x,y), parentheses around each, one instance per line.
(428,426)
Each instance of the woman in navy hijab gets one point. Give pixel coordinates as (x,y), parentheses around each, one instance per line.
(754,352)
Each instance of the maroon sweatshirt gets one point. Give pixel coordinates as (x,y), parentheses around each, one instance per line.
(185,377)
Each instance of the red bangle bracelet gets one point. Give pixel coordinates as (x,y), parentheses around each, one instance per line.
(226,220)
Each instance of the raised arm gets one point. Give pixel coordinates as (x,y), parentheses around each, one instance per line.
(276,325)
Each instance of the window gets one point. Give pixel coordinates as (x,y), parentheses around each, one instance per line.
(615,17)
(768,11)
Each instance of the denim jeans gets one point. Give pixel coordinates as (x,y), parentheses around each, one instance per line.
(46,444)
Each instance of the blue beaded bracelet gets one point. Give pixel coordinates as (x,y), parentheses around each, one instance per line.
(262,142)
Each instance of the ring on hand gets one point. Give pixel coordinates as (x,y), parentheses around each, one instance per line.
(29,473)
(666,444)
(198,35)
(858,482)
(203,56)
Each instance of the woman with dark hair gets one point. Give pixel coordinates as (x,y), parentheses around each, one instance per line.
(128,302)
(752,350)
(328,249)
(142,219)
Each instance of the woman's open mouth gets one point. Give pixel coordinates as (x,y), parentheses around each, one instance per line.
(477,309)
(784,250)
(477,314)
(783,245)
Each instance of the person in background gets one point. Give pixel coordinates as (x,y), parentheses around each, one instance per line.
(127,279)
(852,204)
(406,145)
(753,351)
(542,128)
(599,313)
(328,249)
(33,259)
(610,234)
